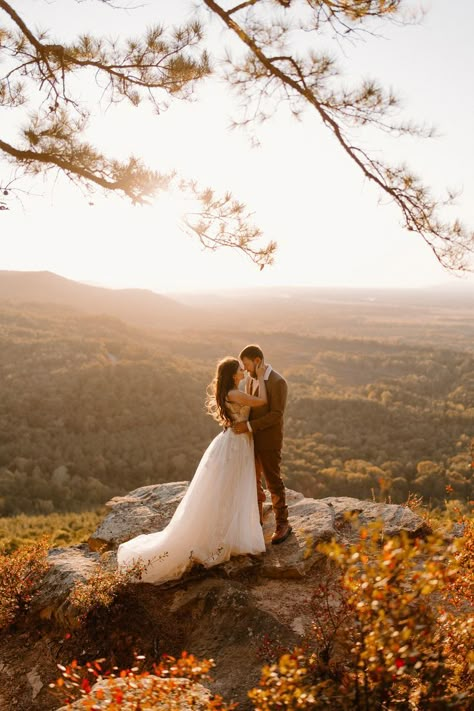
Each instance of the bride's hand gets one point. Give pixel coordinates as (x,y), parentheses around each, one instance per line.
(260,370)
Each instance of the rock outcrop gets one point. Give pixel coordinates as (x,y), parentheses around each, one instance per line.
(150,508)
(232,613)
(143,510)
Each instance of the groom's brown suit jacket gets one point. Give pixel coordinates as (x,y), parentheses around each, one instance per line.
(266,421)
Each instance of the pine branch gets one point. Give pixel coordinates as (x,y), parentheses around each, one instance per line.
(450,242)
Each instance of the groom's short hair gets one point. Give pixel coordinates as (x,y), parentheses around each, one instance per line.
(253,351)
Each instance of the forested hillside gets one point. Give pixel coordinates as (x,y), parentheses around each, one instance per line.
(91,408)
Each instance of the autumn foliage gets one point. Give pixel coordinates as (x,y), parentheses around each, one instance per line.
(172,684)
(393,624)
(101,587)
(395,631)
(20,574)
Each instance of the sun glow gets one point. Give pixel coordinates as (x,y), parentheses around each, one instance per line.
(304,192)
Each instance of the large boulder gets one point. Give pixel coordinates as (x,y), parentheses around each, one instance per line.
(150,508)
(67,566)
(354,514)
(143,510)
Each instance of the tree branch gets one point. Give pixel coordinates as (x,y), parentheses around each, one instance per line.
(22,25)
(449,242)
(241,6)
(70,167)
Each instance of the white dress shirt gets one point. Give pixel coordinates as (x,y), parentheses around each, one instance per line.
(254,384)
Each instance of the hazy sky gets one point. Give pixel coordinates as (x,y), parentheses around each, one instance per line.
(305,193)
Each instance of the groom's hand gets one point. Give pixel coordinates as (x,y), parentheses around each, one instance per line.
(240,427)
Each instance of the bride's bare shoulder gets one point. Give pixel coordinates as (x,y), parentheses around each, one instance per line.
(236,396)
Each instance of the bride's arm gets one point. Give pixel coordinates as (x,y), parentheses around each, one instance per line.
(244,399)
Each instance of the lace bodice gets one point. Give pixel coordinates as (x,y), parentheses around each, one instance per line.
(238,413)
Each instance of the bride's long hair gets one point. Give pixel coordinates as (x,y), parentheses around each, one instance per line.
(219,387)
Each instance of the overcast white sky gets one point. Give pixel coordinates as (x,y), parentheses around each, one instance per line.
(305,193)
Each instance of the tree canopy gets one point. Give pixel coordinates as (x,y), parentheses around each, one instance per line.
(92,407)
(278,58)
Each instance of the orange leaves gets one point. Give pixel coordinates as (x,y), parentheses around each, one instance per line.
(171,685)
(461,586)
(285,685)
(186,666)
(20,574)
(385,633)
(101,587)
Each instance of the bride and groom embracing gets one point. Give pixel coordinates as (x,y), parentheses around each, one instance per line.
(221,513)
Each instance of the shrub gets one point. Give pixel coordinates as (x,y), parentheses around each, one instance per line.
(101,588)
(171,685)
(20,574)
(395,633)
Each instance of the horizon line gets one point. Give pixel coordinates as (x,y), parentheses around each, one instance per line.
(459,283)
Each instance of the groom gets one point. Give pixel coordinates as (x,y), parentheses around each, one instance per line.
(266,423)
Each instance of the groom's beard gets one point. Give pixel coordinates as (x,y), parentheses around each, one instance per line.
(253,373)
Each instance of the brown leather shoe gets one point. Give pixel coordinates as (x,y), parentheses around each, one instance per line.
(282,532)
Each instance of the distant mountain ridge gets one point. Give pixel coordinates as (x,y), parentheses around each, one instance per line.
(140,307)
(374,313)
(459,295)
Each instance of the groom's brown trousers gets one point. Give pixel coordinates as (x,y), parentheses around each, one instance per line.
(267,425)
(267,463)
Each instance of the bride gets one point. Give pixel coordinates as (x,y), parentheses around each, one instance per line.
(218,516)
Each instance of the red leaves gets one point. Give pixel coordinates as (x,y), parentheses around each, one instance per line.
(118,696)
(172,684)
(85,685)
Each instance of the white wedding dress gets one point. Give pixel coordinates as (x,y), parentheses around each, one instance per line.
(217,517)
